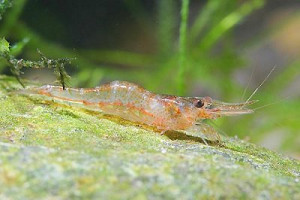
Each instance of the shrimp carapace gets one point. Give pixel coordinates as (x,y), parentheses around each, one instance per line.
(134,103)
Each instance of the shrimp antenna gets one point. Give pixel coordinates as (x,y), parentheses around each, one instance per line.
(248,84)
(254,92)
(270,104)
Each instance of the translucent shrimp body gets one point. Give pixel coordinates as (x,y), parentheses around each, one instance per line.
(134,103)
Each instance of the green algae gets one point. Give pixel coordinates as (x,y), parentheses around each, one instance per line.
(61,152)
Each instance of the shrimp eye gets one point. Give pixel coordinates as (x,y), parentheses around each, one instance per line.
(199,104)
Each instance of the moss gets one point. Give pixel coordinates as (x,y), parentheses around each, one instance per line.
(50,150)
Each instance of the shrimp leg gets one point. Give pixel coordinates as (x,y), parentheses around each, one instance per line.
(205,131)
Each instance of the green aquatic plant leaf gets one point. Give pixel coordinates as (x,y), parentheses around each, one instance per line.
(18,47)
(227,23)
(4,5)
(12,16)
(182,65)
(4,46)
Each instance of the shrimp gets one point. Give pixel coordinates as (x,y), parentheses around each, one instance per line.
(134,103)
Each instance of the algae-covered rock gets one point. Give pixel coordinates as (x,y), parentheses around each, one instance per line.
(60,152)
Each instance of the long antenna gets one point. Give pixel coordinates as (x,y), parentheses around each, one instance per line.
(261,84)
(248,84)
(270,104)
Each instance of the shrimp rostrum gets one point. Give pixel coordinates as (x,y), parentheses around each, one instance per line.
(164,112)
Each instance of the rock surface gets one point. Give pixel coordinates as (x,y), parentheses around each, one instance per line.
(61,152)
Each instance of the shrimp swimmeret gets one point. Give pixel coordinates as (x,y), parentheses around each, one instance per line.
(164,112)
